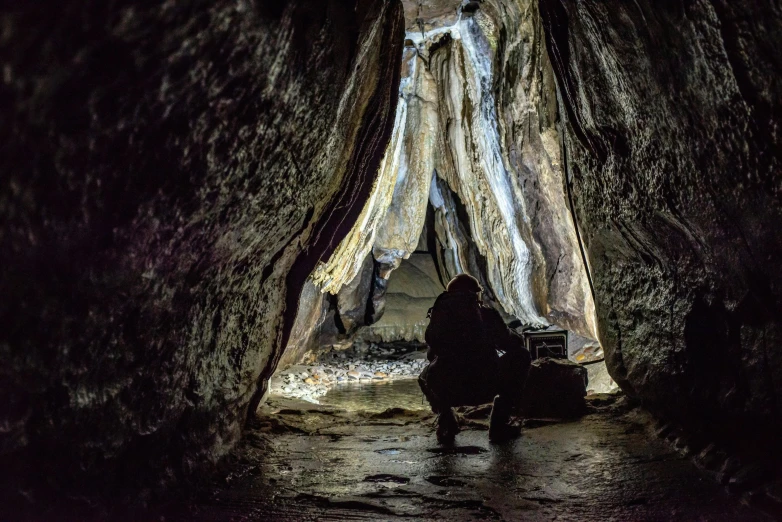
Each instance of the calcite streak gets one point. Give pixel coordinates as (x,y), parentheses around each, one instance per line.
(398,235)
(479,173)
(345,263)
(492,140)
(527,109)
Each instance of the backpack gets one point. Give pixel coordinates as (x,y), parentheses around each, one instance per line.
(456,326)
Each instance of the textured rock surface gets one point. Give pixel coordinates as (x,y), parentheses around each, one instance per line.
(476,133)
(426,15)
(353,298)
(412,290)
(163,168)
(344,264)
(601,467)
(527,110)
(673,146)
(474,167)
(307,333)
(398,235)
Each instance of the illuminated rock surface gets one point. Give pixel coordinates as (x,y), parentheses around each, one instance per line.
(182,183)
(488,162)
(412,290)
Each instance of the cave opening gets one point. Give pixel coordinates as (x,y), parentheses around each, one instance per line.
(456,193)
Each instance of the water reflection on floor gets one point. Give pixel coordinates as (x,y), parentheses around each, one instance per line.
(376,396)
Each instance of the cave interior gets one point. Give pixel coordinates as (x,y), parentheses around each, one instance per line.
(222,227)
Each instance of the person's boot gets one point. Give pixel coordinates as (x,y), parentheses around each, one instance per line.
(500,428)
(447,426)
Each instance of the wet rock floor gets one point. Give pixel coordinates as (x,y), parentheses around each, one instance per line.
(308,462)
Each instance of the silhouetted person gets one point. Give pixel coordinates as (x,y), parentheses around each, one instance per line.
(465,369)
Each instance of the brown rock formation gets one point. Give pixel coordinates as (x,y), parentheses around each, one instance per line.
(411,291)
(477,133)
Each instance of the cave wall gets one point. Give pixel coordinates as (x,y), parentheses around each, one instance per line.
(473,164)
(671,114)
(476,135)
(500,158)
(453,247)
(411,291)
(526,98)
(170,178)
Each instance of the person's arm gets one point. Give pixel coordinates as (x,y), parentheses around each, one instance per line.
(515,341)
(505,339)
(430,336)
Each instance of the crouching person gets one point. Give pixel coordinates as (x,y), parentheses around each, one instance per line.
(474,359)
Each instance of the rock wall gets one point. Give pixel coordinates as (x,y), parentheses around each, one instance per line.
(171,175)
(673,149)
(475,134)
(527,117)
(474,167)
(412,290)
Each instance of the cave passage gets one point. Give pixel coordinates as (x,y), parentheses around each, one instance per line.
(223,226)
(449,199)
(345,429)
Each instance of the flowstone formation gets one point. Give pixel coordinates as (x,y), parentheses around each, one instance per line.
(472,177)
(171,175)
(673,149)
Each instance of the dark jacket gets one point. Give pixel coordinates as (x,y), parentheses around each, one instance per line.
(460,328)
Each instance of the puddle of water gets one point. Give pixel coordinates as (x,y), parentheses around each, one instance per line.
(389,451)
(376,396)
(387,478)
(458,450)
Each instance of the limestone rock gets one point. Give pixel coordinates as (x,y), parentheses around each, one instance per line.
(345,262)
(412,290)
(378,296)
(527,116)
(673,155)
(489,161)
(455,250)
(475,168)
(305,337)
(398,235)
(427,15)
(354,298)
(555,389)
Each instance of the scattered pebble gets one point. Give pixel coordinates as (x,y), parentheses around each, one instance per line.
(358,363)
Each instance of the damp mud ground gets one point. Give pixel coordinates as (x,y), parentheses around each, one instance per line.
(316,462)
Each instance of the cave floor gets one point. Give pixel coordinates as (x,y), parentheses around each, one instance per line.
(309,462)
